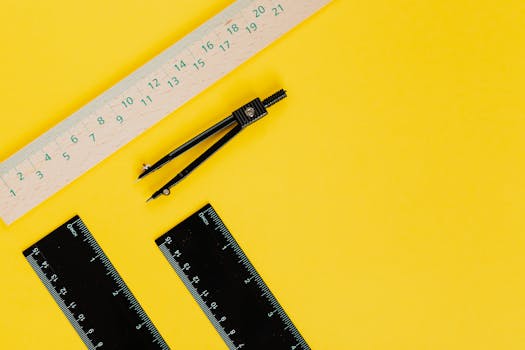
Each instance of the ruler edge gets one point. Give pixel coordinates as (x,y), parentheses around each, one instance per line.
(69,315)
(273,299)
(41,275)
(197,298)
(263,285)
(62,306)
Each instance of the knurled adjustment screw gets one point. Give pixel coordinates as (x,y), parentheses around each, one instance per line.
(250,112)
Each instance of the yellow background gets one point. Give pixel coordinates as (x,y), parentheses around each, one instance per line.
(382,202)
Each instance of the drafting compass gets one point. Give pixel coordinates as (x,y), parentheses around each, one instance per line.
(239,119)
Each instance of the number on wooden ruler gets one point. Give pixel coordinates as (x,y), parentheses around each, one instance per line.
(144,98)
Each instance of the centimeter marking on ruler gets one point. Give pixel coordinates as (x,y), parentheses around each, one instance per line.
(165,250)
(221,279)
(88,290)
(116,117)
(65,309)
(255,276)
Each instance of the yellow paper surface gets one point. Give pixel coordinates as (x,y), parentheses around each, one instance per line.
(382,202)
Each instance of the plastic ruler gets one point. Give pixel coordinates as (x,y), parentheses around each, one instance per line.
(90,292)
(226,286)
(162,85)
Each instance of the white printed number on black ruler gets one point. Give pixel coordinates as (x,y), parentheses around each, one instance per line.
(142,99)
(226,285)
(90,291)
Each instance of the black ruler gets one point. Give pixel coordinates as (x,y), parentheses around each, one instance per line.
(226,285)
(90,291)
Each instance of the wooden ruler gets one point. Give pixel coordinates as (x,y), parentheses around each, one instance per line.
(142,99)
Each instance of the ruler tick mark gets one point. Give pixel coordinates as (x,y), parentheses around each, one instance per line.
(74,287)
(202,246)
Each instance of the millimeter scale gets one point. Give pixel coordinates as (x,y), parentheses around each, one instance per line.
(90,292)
(142,99)
(226,285)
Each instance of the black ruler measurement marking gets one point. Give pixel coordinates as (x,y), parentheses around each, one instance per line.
(226,285)
(89,290)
